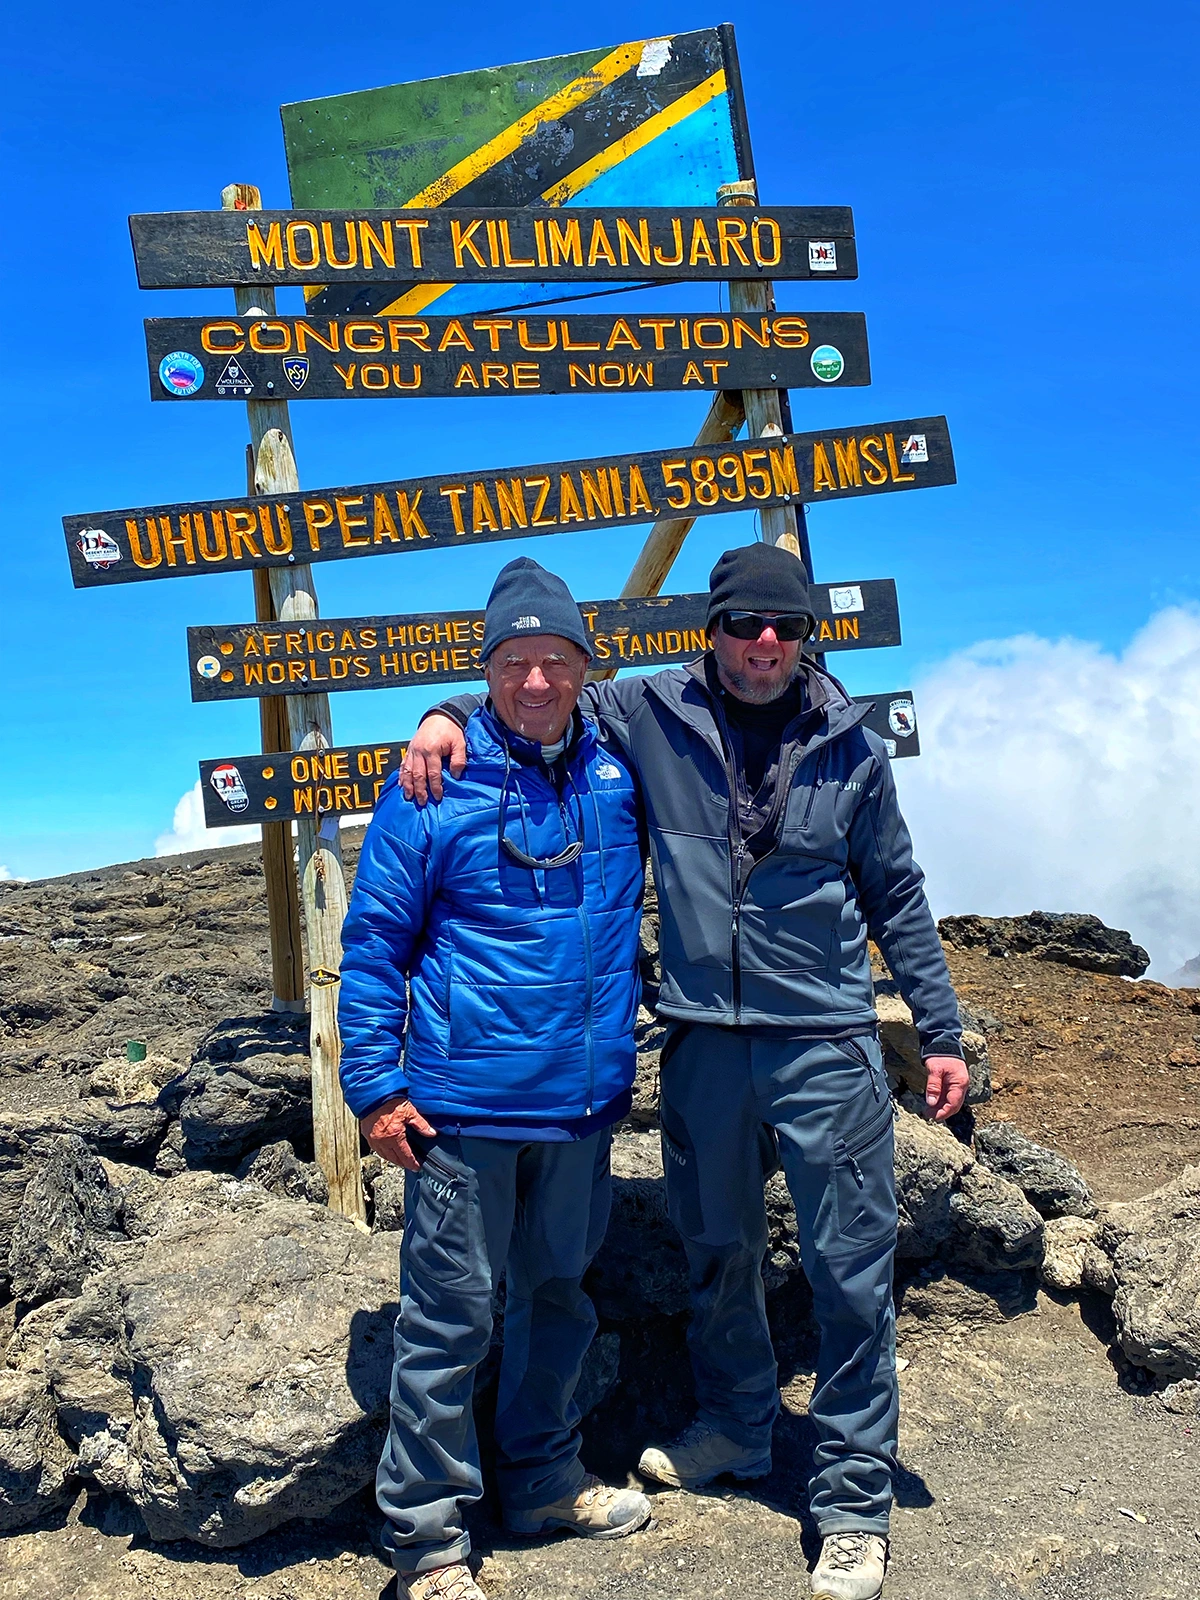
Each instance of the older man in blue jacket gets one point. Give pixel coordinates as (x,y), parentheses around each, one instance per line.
(511,915)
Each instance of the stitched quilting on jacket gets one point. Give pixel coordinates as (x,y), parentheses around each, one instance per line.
(523,981)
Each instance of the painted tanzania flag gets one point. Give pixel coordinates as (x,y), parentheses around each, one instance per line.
(654,123)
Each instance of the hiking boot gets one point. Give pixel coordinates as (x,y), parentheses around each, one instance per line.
(699,1455)
(593,1509)
(443,1583)
(851,1567)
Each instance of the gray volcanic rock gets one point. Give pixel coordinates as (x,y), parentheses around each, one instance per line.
(35,1465)
(1051,1184)
(278,1168)
(1066,1242)
(249,1084)
(1074,939)
(930,1163)
(1151,1249)
(902,1048)
(994,1228)
(69,1213)
(234,1373)
(387,1193)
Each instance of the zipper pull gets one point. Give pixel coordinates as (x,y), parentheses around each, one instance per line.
(857,1171)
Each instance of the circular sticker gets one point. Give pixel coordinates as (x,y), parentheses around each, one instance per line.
(827,363)
(180,373)
(208,666)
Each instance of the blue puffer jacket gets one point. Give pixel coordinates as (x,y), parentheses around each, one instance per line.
(524,981)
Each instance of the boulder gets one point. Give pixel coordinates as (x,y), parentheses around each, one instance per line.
(902,1048)
(123,1130)
(1182,1397)
(1065,1243)
(641,1269)
(387,1195)
(993,1226)
(1072,939)
(36,1467)
(930,1163)
(278,1168)
(1051,1184)
(249,1084)
(935,1305)
(1151,1249)
(69,1214)
(232,1373)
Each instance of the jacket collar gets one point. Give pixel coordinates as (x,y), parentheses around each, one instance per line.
(690,694)
(495,736)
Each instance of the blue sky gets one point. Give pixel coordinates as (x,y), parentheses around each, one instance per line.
(1023,182)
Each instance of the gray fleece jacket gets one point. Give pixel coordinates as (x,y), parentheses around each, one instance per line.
(779,942)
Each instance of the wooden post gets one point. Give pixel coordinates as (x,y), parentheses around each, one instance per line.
(322,881)
(279,871)
(665,539)
(764,412)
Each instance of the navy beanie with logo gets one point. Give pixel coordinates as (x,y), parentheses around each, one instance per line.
(527,599)
(758,577)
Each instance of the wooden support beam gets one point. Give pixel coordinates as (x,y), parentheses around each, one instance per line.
(322,880)
(764,409)
(665,539)
(279,872)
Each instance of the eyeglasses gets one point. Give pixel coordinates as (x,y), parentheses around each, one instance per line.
(787,627)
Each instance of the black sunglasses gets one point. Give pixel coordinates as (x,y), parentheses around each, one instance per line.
(564,858)
(788,627)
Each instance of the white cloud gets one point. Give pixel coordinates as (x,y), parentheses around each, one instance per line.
(1055,776)
(9,877)
(189,832)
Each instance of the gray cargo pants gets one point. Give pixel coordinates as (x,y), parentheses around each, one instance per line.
(477,1207)
(733,1106)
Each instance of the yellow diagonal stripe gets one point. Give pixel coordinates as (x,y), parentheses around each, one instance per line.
(415,301)
(605,71)
(653,128)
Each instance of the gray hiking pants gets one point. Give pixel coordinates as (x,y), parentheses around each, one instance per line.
(476,1208)
(734,1106)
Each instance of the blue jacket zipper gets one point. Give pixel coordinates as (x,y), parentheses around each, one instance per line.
(588,965)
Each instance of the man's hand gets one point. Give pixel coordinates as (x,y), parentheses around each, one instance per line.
(436,739)
(386,1130)
(946,1088)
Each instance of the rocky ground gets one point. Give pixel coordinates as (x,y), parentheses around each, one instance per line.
(1050,1434)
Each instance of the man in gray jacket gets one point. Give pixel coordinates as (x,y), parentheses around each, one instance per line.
(778,847)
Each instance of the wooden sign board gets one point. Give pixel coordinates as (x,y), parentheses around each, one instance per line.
(653,122)
(405,358)
(251,660)
(660,244)
(175,541)
(346,781)
(289,784)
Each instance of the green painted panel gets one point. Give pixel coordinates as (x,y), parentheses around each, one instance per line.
(379,147)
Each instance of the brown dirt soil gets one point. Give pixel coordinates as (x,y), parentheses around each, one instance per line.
(1104,1070)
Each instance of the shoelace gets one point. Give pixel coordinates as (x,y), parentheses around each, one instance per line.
(696,1433)
(452,1583)
(849,1551)
(595,1489)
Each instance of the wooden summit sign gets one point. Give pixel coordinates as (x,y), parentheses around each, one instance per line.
(342,358)
(196,249)
(251,660)
(346,781)
(173,541)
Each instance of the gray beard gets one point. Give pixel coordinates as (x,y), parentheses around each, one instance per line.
(756,693)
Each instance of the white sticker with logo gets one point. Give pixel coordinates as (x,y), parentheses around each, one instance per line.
(914,449)
(208,666)
(822,255)
(846,598)
(890,746)
(902,718)
(99,549)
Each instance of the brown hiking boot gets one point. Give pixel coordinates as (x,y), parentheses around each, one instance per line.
(443,1583)
(594,1509)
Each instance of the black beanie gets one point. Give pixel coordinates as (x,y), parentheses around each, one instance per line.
(527,599)
(758,577)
